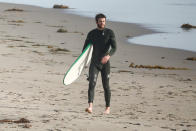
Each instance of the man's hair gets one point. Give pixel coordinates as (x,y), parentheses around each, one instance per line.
(99,16)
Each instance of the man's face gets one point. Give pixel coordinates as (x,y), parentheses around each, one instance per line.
(101,23)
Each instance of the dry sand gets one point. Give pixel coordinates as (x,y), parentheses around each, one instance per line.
(32,70)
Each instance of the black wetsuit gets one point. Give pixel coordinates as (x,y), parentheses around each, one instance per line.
(104,43)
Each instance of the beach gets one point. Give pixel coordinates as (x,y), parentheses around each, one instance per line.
(34,58)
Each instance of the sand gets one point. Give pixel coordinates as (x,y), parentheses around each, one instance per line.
(32,70)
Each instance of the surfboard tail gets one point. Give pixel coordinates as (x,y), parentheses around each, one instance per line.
(76,68)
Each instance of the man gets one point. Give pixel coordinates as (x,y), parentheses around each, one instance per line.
(104,46)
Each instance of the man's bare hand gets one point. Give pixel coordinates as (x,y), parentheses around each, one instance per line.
(105,59)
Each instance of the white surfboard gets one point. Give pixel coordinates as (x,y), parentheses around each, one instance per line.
(76,68)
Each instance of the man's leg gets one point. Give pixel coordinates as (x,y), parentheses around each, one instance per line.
(93,74)
(105,74)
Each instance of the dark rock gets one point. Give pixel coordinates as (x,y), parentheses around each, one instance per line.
(187,26)
(62,31)
(60,7)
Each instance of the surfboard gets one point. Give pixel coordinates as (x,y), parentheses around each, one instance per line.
(76,68)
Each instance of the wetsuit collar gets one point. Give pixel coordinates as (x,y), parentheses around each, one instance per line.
(100,29)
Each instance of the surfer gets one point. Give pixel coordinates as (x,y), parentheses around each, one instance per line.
(104,46)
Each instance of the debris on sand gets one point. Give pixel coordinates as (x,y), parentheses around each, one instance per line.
(62,30)
(5,121)
(132,65)
(187,26)
(22,120)
(17,21)
(191,58)
(38,45)
(60,7)
(15,9)
(39,53)
(125,71)
(59,50)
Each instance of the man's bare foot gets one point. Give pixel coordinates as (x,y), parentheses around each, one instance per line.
(89,110)
(107,110)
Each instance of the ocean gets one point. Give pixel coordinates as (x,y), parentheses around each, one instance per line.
(165,16)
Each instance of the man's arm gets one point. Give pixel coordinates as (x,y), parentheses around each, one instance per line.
(87,41)
(113,44)
(112,50)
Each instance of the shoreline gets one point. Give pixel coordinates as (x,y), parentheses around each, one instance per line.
(142,25)
(34,58)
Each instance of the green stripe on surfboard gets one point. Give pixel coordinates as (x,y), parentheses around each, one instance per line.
(88,46)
